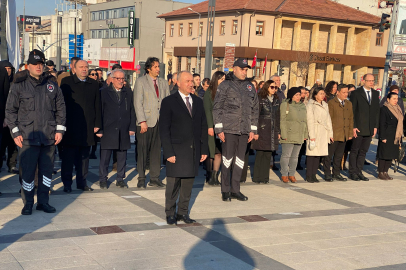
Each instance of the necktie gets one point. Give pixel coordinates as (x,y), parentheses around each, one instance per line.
(342,103)
(189,107)
(156,89)
(369,97)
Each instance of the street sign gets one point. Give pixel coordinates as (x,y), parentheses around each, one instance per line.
(131,27)
(29,20)
(79,46)
(226,69)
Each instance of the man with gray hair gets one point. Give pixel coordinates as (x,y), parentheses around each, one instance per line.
(279,92)
(83,119)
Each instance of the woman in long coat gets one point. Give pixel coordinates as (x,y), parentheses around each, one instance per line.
(212,163)
(390,135)
(269,132)
(320,133)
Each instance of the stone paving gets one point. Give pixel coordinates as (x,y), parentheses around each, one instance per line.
(338,225)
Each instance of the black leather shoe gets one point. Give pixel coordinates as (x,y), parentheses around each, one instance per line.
(339,177)
(362,177)
(354,177)
(185,218)
(121,184)
(13,170)
(103,185)
(239,196)
(67,189)
(315,180)
(226,196)
(309,179)
(212,179)
(141,184)
(328,178)
(171,220)
(156,184)
(27,210)
(86,188)
(46,208)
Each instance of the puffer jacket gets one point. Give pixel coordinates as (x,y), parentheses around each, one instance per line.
(293,122)
(236,107)
(35,109)
(268,125)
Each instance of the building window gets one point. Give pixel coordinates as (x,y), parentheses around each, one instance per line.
(179,67)
(379,39)
(189,64)
(190,29)
(93,16)
(100,34)
(259,30)
(201,29)
(172,30)
(375,72)
(181,29)
(222,27)
(235,27)
(257,69)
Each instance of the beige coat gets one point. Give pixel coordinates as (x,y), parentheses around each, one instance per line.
(320,128)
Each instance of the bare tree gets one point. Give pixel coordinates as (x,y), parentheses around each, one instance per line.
(303,64)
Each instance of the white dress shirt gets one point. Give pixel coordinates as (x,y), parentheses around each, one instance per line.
(184,98)
(370,93)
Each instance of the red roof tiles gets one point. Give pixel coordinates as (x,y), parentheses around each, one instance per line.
(323,9)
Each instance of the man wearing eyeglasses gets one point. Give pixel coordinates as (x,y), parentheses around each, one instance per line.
(365,105)
(83,120)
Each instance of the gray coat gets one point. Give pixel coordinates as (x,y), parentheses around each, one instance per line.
(146,104)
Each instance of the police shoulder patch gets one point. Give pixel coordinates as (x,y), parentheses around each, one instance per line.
(50,87)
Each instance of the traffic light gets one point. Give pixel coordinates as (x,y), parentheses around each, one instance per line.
(43,42)
(280,70)
(384,24)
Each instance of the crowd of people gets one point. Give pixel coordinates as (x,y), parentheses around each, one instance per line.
(215,122)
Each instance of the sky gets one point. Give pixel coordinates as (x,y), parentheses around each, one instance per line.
(47,7)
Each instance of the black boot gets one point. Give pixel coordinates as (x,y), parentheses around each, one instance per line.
(212,179)
(216,177)
(27,210)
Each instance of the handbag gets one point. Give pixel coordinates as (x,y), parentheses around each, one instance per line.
(402,150)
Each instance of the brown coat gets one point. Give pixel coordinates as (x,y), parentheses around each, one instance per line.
(63,75)
(342,119)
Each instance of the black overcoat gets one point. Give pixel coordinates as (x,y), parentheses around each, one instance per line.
(182,135)
(268,125)
(118,118)
(387,131)
(83,110)
(366,116)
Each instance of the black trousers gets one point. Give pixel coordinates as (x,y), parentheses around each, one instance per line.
(12,151)
(246,158)
(312,165)
(384,165)
(336,150)
(174,186)
(149,144)
(302,152)
(30,157)
(78,156)
(359,149)
(233,152)
(105,156)
(261,167)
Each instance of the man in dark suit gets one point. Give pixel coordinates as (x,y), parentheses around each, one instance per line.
(83,119)
(183,129)
(118,124)
(365,105)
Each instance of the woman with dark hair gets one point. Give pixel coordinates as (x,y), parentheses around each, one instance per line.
(260,85)
(212,163)
(293,125)
(331,90)
(390,134)
(267,140)
(320,133)
(351,87)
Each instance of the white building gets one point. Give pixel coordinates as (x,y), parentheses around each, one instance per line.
(374,7)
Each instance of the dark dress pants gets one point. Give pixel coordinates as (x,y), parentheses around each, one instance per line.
(149,144)
(174,186)
(30,157)
(12,151)
(78,156)
(105,155)
(336,150)
(359,149)
(384,165)
(246,159)
(233,151)
(312,165)
(261,167)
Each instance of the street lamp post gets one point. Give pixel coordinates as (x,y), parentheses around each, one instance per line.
(198,42)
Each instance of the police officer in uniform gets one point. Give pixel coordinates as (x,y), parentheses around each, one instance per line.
(35,114)
(235,114)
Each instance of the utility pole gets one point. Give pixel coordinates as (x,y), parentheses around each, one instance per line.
(198,43)
(59,37)
(3,15)
(23,43)
(209,39)
(33,36)
(390,48)
(76,39)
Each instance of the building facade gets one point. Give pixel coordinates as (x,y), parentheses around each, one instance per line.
(108,22)
(311,40)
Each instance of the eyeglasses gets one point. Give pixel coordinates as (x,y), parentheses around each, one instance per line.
(93,74)
(119,79)
(273,87)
